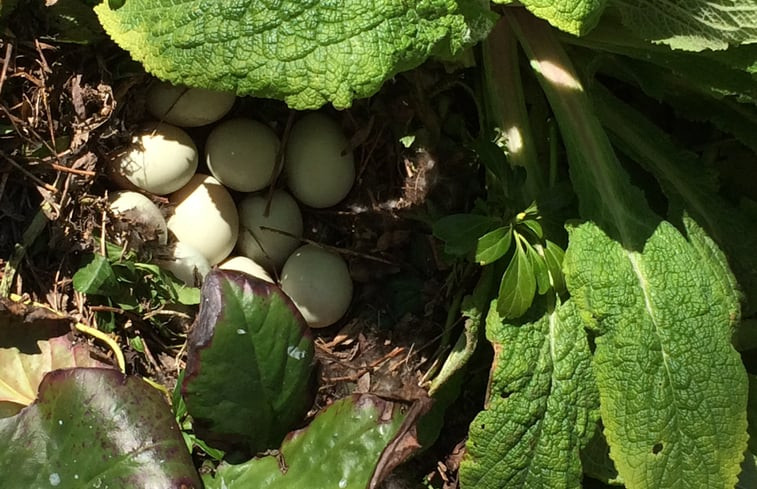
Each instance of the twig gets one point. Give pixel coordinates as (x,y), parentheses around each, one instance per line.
(29,174)
(6,62)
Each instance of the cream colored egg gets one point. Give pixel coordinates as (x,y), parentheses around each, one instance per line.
(205,218)
(241,154)
(187,107)
(244,264)
(259,238)
(319,284)
(161,159)
(319,163)
(138,208)
(187,264)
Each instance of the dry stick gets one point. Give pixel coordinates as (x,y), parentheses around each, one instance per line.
(29,174)
(368,368)
(335,249)
(48,113)
(6,62)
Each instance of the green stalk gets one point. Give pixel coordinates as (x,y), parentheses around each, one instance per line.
(505,106)
(605,192)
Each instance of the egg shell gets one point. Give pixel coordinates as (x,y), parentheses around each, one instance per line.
(319,284)
(187,264)
(244,264)
(205,218)
(136,207)
(241,154)
(187,107)
(284,215)
(319,164)
(160,159)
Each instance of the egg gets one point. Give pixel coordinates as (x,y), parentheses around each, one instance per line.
(241,154)
(135,207)
(244,264)
(319,163)
(186,263)
(160,159)
(267,246)
(319,284)
(187,107)
(205,217)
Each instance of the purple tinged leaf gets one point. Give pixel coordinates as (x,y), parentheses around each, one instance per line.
(94,427)
(249,376)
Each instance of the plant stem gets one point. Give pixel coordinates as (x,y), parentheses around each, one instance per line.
(505,106)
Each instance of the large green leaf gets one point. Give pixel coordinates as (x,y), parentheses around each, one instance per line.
(542,407)
(249,371)
(305,52)
(575,17)
(692,25)
(349,445)
(673,389)
(687,183)
(94,428)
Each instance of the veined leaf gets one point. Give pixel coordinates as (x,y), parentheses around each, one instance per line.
(542,406)
(684,180)
(575,17)
(518,286)
(692,25)
(672,388)
(493,245)
(306,53)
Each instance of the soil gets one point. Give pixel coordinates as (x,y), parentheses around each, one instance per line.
(66,107)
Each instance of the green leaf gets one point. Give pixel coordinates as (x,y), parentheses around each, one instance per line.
(306,53)
(534,226)
(575,17)
(542,406)
(541,273)
(692,25)
(493,245)
(342,448)
(518,286)
(553,257)
(672,388)
(250,365)
(693,97)
(688,184)
(96,277)
(92,427)
(460,232)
